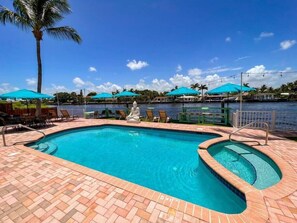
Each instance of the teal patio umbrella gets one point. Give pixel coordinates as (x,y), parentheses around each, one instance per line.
(229,88)
(183,91)
(102,96)
(25,94)
(126,94)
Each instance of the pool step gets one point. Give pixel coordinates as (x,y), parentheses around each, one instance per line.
(263,169)
(48,148)
(42,147)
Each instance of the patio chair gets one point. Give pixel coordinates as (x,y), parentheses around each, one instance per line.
(122,114)
(163,117)
(65,115)
(106,113)
(96,114)
(150,116)
(3,124)
(52,115)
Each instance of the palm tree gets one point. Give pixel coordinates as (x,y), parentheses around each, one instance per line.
(263,88)
(195,86)
(203,87)
(40,16)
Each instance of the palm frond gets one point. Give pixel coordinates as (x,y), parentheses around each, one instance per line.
(64,32)
(22,7)
(57,6)
(8,16)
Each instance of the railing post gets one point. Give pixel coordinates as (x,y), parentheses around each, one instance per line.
(3,135)
(236,119)
(273,118)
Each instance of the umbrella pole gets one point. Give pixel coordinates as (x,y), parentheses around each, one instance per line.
(240,105)
(27,106)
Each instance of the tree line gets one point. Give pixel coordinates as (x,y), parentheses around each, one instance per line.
(148,95)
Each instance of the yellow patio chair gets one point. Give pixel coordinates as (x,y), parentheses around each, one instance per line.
(163,117)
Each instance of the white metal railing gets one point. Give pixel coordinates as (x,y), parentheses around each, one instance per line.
(242,118)
(252,124)
(276,120)
(18,126)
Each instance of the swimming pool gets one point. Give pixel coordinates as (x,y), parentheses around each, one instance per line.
(163,160)
(249,164)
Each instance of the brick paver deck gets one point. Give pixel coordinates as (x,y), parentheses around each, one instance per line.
(36,187)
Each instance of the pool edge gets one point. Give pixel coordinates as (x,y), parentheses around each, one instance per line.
(260,212)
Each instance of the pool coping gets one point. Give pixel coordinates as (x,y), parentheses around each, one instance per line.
(256,210)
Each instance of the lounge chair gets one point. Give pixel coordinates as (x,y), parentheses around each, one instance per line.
(53,116)
(122,114)
(163,117)
(106,113)
(96,114)
(150,116)
(65,115)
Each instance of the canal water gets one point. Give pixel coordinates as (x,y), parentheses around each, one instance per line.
(173,109)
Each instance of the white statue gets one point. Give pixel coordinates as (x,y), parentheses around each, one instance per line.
(134,115)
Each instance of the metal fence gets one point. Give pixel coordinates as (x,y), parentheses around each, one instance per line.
(277,121)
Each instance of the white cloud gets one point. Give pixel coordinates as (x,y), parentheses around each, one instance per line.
(78,82)
(181,80)
(31,81)
(134,65)
(195,72)
(7,87)
(220,69)
(241,58)
(215,80)
(286,44)
(228,39)
(259,75)
(108,87)
(159,85)
(264,35)
(55,88)
(92,69)
(213,60)
(179,68)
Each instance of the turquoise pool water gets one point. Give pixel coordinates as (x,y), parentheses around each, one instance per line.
(165,161)
(249,164)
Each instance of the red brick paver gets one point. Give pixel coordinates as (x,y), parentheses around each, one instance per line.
(36,187)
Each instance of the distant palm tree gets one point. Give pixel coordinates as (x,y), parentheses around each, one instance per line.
(195,86)
(263,88)
(246,84)
(39,16)
(203,87)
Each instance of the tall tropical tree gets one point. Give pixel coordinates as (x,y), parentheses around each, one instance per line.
(195,86)
(263,88)
(203,87)
(40,16)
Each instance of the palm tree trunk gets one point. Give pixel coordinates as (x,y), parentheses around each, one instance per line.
(39,78)
(202,96)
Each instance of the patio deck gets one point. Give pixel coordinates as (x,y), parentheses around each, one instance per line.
(36,187)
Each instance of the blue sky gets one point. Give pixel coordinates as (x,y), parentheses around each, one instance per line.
(158,45)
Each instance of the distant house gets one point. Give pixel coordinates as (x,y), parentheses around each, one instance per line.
(214,97)
(187,98)
(161,99)
(264,96)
